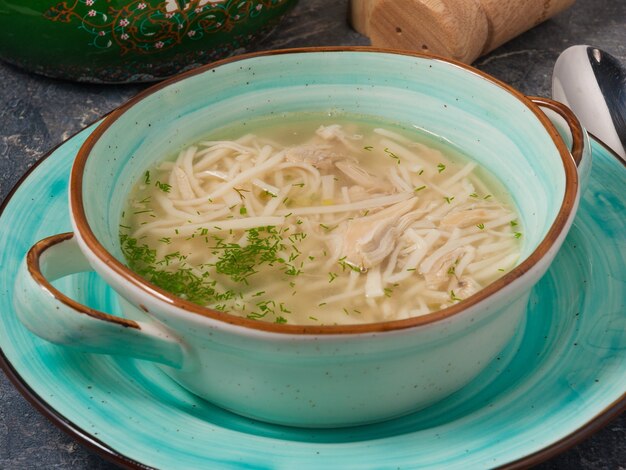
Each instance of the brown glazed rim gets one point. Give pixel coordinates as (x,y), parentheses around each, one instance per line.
(86,234)
(33,263)
(599,421)
(572,120)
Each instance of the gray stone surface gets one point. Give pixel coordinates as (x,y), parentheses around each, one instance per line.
(37,114)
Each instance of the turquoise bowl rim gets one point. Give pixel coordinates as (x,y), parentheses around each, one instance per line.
(564,216)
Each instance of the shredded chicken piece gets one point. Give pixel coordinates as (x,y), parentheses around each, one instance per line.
(367,241)
(466,287)
(464,217)
(361,177)
(335,131)
(440,271)
(318,156)
(359,193)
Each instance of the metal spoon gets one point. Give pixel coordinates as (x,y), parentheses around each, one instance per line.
(593,84)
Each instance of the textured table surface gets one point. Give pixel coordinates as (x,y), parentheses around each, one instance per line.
(37,113)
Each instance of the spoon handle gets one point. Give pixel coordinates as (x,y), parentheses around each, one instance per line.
(593,84)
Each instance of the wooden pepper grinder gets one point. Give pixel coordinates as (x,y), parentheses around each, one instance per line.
(460,29)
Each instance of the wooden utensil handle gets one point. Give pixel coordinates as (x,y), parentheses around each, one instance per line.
(460,29)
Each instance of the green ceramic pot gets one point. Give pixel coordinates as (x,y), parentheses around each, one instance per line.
(113,41)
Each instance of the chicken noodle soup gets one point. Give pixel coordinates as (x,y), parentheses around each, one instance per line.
(332,220)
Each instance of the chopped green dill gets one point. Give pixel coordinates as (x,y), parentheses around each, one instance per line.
(345,310)
(267,306)
(163,186)
(440,167)
(451,270)
(256,315)
(487,196)
(332,277)
(420,188)
(145,200)
(238,191)
(449,199)
(453,297)
(146,177)
(518,235)
(411,269)
(481,226)
(142,212)
(368,147)
(473,195)
(292,271)
(243,210)
(280,320)
(296,236)
(513,223)
(313,318)
(322,304)
(345,265)
(392,155)
(388,291)
(501,269)
(263,245)
(125,226)
(419,173)
(301,185)
(183,282)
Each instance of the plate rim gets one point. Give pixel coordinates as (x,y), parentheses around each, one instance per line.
(595,424)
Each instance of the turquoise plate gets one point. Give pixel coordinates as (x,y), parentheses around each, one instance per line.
(562,377)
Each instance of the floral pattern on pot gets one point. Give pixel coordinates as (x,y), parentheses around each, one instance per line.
(118,41)
(144,28)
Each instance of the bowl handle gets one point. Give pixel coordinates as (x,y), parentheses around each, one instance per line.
(572,132)
(53,316)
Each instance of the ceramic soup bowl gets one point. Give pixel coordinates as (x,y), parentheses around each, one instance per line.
(316,376)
